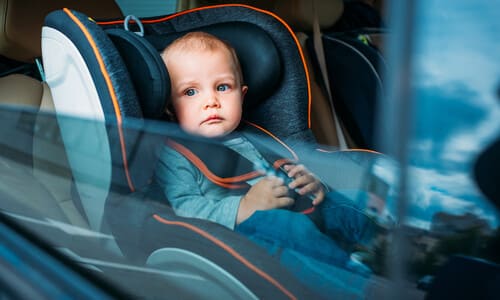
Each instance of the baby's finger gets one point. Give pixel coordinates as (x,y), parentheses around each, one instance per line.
(296,170)
(274,181)
(285,201)
(319,197)
(280,191)
(302,181)
(312,187)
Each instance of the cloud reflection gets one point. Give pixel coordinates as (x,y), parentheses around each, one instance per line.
(457,72)
(453,193)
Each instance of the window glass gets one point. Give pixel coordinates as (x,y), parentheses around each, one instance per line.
(56,185)
(455,78)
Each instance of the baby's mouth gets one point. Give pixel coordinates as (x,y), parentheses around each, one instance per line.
(212,118)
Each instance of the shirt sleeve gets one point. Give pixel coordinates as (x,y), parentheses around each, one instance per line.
(191,194)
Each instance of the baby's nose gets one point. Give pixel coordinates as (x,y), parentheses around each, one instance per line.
(212,101)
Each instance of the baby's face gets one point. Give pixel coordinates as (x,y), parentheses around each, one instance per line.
(207,94)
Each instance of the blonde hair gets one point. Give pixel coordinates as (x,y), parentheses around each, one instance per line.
(199,40)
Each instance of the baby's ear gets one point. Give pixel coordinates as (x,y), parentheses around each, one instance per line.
(244,89)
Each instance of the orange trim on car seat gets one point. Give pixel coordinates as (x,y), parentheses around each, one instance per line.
(275,138)
(277,164)
(229,250)
(299,48)
(111,91)
(230,183)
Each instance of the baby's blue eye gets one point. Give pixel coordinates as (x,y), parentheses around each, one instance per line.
(190,92)
(222,87)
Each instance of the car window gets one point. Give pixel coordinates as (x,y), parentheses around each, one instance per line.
(451,75)
(36,182)
(421,191)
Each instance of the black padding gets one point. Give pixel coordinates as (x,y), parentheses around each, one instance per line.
(114,66)
(372,54)
(259,58)
(355,84)
(147,70)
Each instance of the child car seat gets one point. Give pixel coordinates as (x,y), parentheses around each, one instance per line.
(355,76)
(105,73)
(354,66)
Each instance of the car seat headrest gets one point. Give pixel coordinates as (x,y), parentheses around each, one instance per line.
(96,72)
(300,13)
(147,71)
(259,58)
(22,23)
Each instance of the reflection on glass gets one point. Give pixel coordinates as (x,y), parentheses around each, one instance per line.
(456,69)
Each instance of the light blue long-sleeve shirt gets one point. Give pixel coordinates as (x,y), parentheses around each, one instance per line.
(192,194)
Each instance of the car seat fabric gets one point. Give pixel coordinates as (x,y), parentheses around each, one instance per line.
(81,96)
(146,70)
(20,27)
(300,14)
(355,81)
(260,51)
(108,91)
(113,90)
(329,16)
(278,113)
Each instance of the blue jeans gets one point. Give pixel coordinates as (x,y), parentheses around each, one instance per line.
(326,280)
(305,249)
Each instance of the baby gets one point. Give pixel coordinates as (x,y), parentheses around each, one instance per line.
(207,94)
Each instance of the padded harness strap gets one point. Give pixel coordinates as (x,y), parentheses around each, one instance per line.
(235,170)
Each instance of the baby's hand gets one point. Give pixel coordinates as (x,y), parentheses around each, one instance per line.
(268,193)
(305,182)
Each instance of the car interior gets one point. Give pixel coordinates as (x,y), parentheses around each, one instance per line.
(65,179)
(83,87)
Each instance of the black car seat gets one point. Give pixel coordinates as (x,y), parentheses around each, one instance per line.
(116,78)
(300,15)
(355,76)
(354,68)
(356,65)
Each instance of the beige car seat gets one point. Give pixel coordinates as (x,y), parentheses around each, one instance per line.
(301,14)
(20,41)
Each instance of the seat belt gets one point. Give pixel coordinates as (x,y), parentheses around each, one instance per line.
(320,54)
